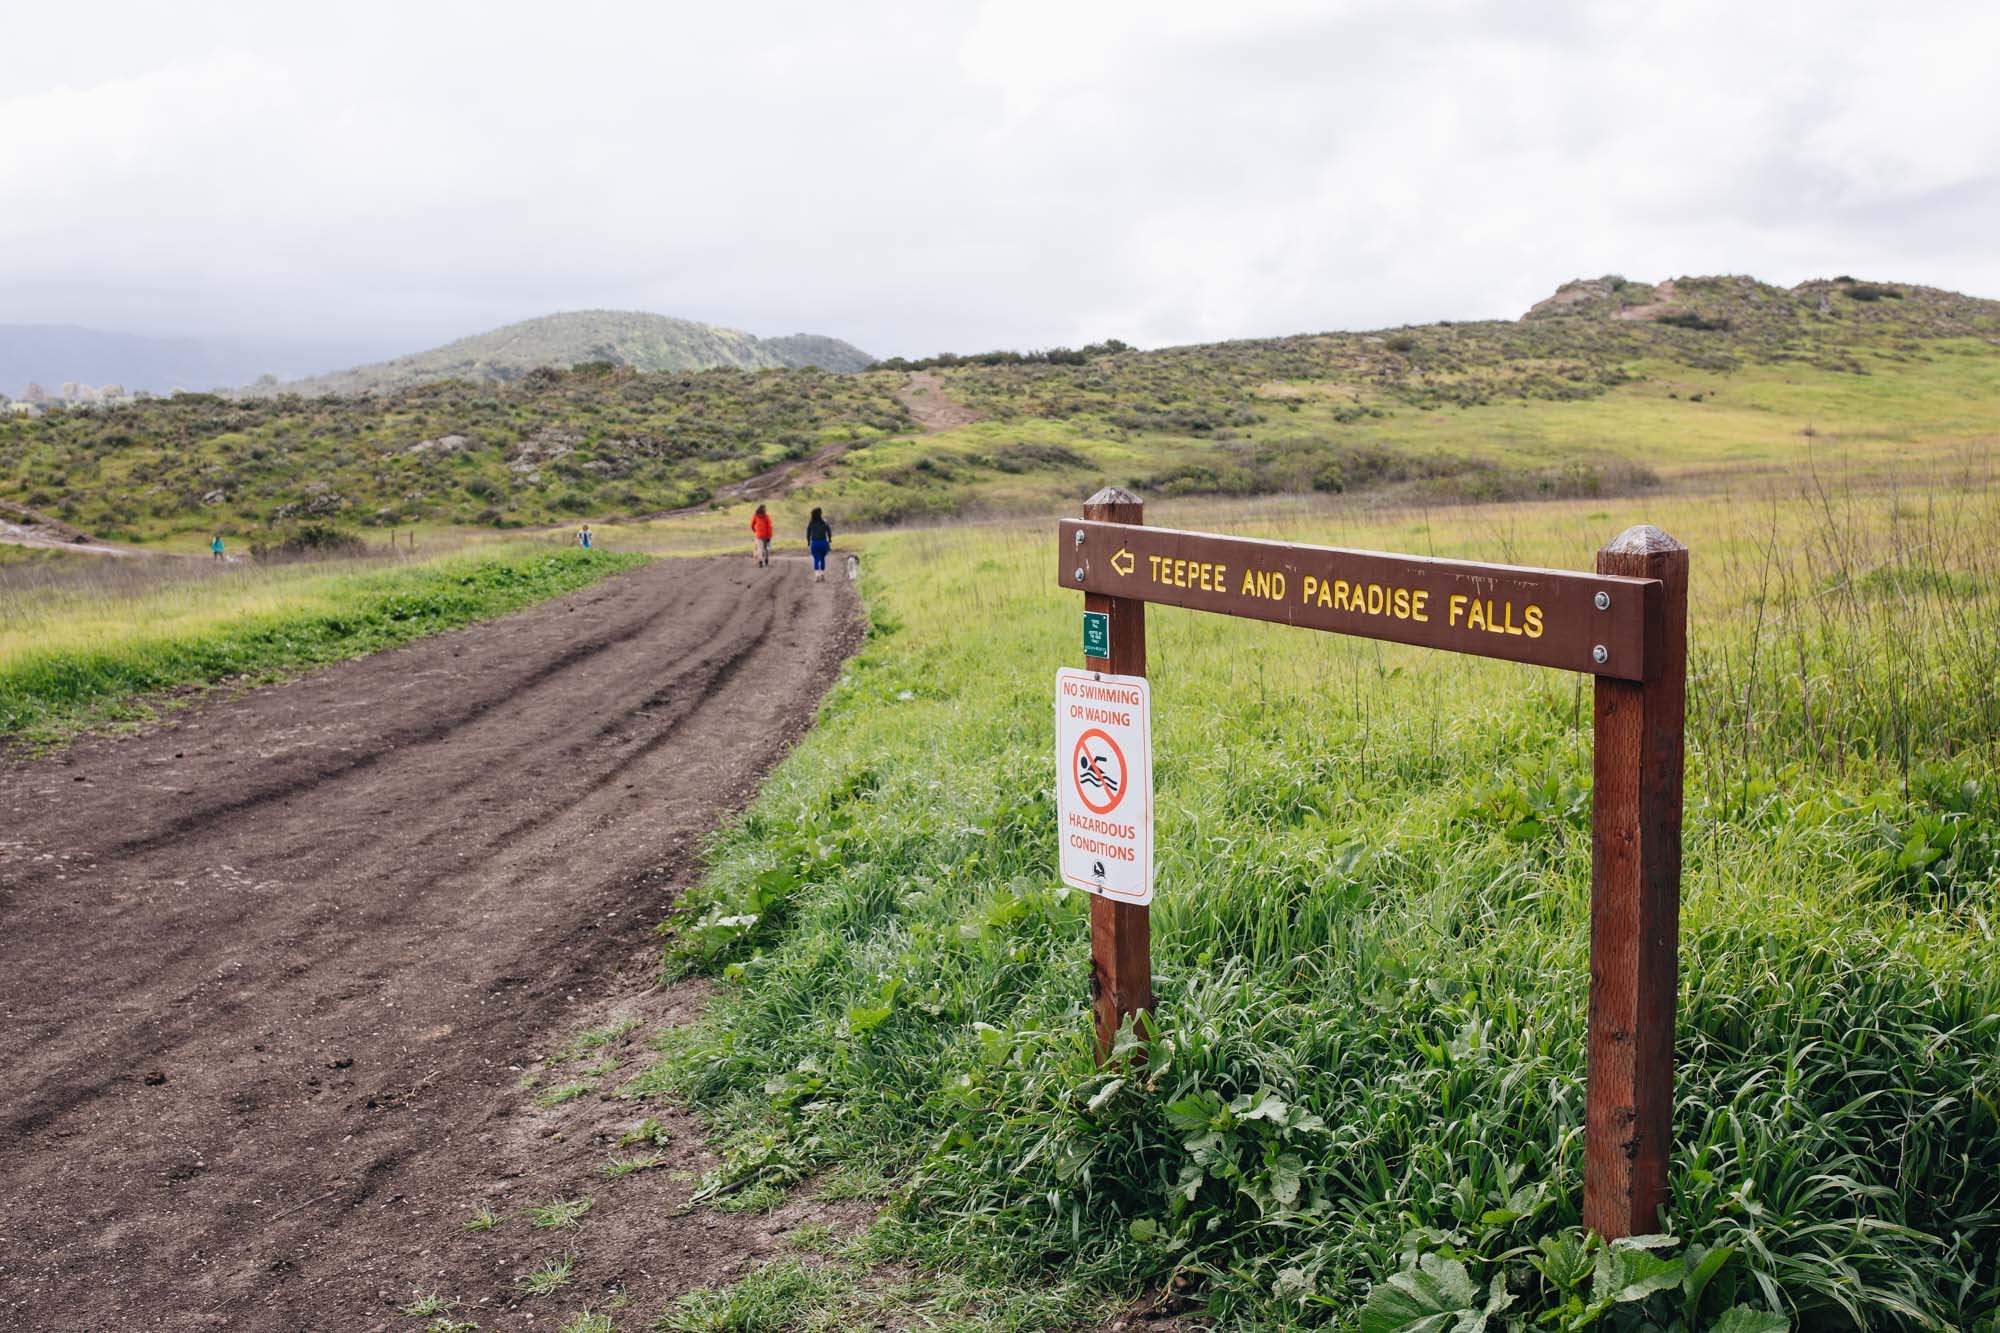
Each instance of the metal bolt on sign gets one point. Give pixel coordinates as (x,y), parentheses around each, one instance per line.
(1634,644)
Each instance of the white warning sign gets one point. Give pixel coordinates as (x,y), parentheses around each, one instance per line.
(1104,783)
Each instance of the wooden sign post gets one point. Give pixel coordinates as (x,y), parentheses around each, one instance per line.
(1121,934)
(1625,624)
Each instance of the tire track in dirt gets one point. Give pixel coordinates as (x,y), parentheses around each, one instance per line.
(264,970)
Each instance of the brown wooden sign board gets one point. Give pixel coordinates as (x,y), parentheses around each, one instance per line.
(1596,623)
(1625,623)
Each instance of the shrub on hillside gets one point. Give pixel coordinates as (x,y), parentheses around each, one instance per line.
(1028,457)
(308,541)
(1688,319)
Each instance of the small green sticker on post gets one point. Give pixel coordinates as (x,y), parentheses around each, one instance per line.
(1096,634)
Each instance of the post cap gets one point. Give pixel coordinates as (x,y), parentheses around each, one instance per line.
(1642,539)
(1114,495)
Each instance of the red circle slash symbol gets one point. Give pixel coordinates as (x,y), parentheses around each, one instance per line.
(1098,770)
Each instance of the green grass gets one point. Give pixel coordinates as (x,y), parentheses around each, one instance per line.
(560,1213)
(619,1167)
(40,557)
(782,1297)
(649,1133)
(424,1304)
(1370,941)
(76,653)
(549,1276)
(483,1219)
(566,1092)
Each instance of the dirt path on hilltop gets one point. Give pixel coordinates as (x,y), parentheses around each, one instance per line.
(934,409)
(924,397)
(271,975)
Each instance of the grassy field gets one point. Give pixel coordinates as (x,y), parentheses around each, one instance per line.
(90,645)
(1364,1106)
(1663,421)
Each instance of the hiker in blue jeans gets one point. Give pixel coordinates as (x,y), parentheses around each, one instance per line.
(819,540)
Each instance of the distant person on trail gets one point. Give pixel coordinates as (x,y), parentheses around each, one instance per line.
(819,540)
(760,537)
(216,546)
(583,536)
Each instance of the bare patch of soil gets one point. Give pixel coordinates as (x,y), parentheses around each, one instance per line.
(934,410)
(22,526)
(272,976)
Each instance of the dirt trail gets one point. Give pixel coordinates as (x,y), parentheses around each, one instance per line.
(771,482)
(934,410)
(269,974)
(923,395)
(22,526)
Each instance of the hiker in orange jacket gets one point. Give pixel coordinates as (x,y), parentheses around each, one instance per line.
(760,534)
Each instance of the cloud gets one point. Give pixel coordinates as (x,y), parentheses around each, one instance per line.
(923,177)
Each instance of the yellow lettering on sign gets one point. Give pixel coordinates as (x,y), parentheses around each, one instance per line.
(1489,615)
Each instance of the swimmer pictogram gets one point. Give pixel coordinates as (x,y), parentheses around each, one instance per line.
(1099,771)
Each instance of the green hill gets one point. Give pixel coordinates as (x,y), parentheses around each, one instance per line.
(621,337)
(1607,387)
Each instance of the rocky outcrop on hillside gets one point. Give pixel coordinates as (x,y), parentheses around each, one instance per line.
(1739,304)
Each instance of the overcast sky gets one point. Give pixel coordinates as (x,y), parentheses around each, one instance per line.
(962,176)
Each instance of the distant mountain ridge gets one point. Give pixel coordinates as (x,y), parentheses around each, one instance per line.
(54,354)
(622,337)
